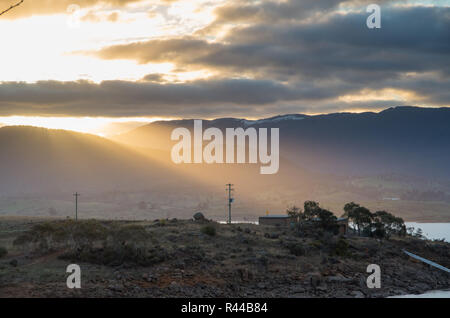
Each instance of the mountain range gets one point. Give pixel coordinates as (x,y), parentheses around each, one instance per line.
(402,140)
(399,153)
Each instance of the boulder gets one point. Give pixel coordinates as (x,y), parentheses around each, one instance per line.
(199,216)
(315,279)
(339,279)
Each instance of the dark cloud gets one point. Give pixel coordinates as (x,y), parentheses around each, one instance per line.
(155,77)
(280,11)
(288,65)
(410,40)
(121,98)
(202,98)
(339,52)
(180,50)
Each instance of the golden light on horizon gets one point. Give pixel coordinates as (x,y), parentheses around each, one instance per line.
(367,95)
(101,126)
(49,45)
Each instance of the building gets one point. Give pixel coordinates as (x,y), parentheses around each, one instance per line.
(286,220)
(280,220)
(343,225)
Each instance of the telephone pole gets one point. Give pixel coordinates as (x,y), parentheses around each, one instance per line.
(76,195)
(230,200)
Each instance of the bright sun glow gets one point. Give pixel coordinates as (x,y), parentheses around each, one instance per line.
(101,126)
(45,47)
(367,95)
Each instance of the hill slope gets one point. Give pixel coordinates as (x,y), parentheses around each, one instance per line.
(401,152)
(41,160)
(404,140)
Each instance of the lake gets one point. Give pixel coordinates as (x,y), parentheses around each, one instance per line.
(431,294)
(432,230)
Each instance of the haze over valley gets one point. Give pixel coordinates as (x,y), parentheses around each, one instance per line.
(370,158)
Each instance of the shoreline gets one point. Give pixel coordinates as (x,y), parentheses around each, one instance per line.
(443,293)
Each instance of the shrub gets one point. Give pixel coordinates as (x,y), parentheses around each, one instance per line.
(208,230)
(316,244)
(60,234)
(296,249)
(341,248)
(95,242)
(115,255)
(3,251)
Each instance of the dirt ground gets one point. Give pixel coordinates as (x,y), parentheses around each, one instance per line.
(239,260)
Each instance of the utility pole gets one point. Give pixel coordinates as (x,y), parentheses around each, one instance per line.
(230,200)
(76,195)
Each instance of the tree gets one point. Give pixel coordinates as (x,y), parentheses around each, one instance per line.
(311,209)
(348,208)
(419,233)
(294,212)
(297,214)
(11,7)
(388,224)
(359,215)
(328,220)
(313,212)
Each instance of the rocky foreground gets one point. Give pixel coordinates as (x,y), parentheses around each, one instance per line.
(180,258)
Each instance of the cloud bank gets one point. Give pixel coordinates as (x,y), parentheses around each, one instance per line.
(266,57)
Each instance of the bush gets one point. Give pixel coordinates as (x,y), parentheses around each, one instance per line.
(316,244)
(62,234)
(296,249)
(341,248)
(3,251)
(97,242)
(133,254)
(208,230)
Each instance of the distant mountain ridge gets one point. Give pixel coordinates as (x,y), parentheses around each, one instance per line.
(405,140)
(39,160)
(401,152)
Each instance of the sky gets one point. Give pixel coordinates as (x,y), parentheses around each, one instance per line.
(104,66)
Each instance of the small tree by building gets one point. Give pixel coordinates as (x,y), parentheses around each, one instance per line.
(296,214)
(311,209)
(327,219)
(359,215)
